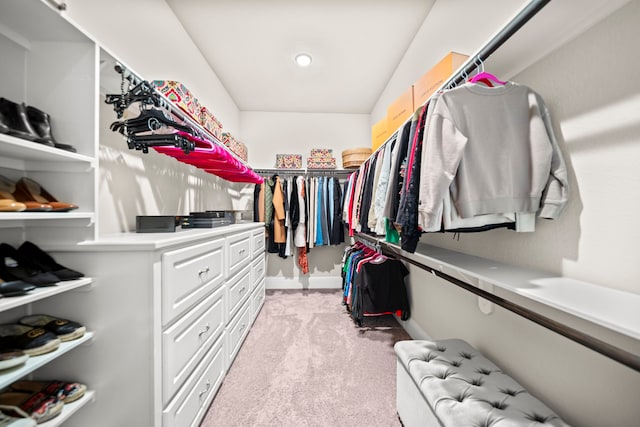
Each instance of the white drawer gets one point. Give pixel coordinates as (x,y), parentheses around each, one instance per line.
(237,331)
(238,290)
(187,340)
(257,299)
(188,274)
(238,252)
(257,270)
(190,404)
(257,240)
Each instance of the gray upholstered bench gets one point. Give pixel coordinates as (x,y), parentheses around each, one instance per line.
(449,383)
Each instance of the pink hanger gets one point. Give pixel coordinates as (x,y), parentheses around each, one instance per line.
(486,78)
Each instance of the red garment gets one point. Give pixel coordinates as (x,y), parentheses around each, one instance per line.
(303,261)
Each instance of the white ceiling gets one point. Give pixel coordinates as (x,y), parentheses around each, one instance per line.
(250,45)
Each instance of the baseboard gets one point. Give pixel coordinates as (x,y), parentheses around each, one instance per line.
(413,329)
(318,282)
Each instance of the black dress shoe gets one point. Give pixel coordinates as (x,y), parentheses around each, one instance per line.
(15,116)
(41,122)
(45,262)
(14,266)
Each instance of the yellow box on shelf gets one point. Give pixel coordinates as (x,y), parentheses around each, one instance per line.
(379,133)
(400,110)
(426,85)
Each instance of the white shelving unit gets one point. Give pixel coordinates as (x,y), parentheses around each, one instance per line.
(51,65)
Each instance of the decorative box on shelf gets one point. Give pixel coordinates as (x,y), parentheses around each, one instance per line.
(234,145)
(321,164)
(210,123)
(321,153)
(178,93)
(289,161)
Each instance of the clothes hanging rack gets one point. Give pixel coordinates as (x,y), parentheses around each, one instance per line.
(615,353)
(477,59)
(338,173)
(176,111)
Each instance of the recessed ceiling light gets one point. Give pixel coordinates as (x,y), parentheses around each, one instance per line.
(303,59)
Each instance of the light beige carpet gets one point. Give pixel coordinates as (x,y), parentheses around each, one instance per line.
(306,363)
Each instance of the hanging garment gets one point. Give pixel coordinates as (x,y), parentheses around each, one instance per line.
(372,217)
(473,129)
(258,203)
(383,184)
(319,212)
(325,211)
(279,235)
(337,229)
(300,232)
(397,175)
(366,196)
(408,212)
(286,190)
(311,239)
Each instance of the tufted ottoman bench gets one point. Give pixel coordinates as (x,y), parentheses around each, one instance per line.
(449,383)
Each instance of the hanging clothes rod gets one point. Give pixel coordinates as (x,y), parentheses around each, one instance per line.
(619,355)
(305,172)
(176,111)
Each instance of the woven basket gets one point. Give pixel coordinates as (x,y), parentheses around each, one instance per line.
(353,157)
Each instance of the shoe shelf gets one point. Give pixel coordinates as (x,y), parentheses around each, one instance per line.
(37,294)
(17,153)
(69,409)
(36,362)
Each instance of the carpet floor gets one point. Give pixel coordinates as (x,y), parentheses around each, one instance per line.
(306,363)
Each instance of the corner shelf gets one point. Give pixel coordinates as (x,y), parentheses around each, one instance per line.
(34,362)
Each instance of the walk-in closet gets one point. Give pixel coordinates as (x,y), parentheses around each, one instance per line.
(239,213)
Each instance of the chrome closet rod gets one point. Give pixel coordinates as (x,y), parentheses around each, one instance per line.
(615,353)
(175,110)
(306,172)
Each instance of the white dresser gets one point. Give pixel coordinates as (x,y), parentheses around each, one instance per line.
(171,311)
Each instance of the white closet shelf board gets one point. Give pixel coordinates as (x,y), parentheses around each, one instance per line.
(611,308)
(14,149)
(69,409)
(154,241)
(26,216)
(35,362)
(42,293)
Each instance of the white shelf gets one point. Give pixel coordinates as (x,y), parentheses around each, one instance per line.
(8,303)
(29,216)
(12,147)
(611,308)
(35,362)
(69,409)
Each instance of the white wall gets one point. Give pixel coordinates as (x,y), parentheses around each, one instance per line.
(298,133)
(591,87)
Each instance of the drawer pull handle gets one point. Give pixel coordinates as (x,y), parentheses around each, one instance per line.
(206,389)
(206,329)
(241,251)
(244,325)
(242,289)
(203,271)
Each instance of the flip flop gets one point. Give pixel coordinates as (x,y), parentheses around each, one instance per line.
(33,341)
(66,330)
(66,392)
(38,406)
